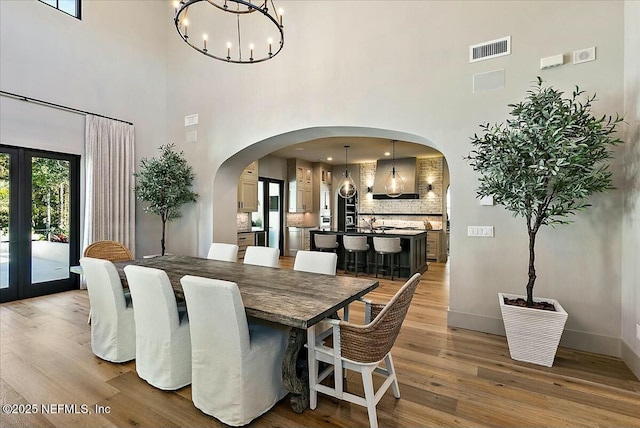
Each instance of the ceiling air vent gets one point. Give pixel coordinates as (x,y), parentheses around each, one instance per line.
(490,49)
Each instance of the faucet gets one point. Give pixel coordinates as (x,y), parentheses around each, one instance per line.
(370,222)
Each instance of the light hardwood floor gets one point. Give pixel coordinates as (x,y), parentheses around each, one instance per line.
(448,377)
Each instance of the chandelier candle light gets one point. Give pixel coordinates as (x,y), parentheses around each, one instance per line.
(394,184)
(220,22)
(347,187)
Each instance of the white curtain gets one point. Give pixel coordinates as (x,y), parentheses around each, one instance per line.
(109,212)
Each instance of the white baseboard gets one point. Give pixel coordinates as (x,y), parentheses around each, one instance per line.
(579,340)
(630,359)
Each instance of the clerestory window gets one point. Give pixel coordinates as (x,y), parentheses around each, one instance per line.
(70,7)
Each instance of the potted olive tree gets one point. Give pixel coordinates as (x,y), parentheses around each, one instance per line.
(165,183)
(542,164)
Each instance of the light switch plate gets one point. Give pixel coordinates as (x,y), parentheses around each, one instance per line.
(638,331)
(486,200)
(190,120)
(480,231)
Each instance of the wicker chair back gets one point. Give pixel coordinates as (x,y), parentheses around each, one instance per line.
(372,342)
(108,250)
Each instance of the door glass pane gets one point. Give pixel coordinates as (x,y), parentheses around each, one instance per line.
(274,215)
(50,193)
(4,220)
(257,222)
(69,6)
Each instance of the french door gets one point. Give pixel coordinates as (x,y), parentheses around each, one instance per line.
(270,214)
(39,222)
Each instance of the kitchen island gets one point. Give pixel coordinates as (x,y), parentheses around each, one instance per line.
(413,257)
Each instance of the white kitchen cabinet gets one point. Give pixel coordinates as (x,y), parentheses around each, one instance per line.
(296,240)
(322,189)
(245,239)
(299,239)
(437,245)
(300,179)
(248,189)
(307,237)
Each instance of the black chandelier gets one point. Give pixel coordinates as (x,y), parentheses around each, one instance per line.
(213,27)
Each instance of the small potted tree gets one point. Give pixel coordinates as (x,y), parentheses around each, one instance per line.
(165,183)
(542,164)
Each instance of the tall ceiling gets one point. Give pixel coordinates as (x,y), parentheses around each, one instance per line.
(362,149)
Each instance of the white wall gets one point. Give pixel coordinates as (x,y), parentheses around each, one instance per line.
(354,68)
(404,70)
(112,62)
(273,167)
(631,211)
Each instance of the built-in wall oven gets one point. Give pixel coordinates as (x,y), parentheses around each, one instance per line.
(325,221)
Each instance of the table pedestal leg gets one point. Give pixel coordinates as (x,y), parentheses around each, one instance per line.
(298,386)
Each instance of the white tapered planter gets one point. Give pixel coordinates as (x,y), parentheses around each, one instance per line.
(533,335)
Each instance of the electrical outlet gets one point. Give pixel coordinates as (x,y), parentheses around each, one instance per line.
(481,231)
(192,136)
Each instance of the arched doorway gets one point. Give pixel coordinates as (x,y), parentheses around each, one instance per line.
(226,179)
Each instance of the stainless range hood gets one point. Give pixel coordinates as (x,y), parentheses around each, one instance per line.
(407,167)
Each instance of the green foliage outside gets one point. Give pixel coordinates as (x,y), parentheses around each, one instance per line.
(4,193)
(50,197)
(165,184)
(544,162)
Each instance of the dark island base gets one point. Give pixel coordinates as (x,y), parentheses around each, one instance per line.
(413,257)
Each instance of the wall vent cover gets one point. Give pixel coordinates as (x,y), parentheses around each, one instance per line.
(490,49)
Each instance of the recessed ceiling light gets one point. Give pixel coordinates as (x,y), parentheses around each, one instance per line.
(387,154)
(329,158)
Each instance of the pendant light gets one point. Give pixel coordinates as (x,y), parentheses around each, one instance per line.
(347,187)
(394,184)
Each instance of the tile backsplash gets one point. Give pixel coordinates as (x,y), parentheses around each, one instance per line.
(401,221)
(429,171)
(243,221)
(300,220)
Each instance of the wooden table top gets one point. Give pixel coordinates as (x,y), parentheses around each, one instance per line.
(296,299)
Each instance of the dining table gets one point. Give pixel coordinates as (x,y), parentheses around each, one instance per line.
(296,299)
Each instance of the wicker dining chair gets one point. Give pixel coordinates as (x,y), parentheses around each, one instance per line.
(108,250)
(360,348)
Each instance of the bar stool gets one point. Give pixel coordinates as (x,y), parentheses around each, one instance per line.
(354,245)
(390,247)
(325,242)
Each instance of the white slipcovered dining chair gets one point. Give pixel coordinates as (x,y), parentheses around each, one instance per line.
(113,251)
(223,252)
(237,367)
(262,256)
(113,328)
(316,262)
(163,344)
(360,348)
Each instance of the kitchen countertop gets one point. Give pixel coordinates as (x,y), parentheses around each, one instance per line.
(253,229)
(376,232)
